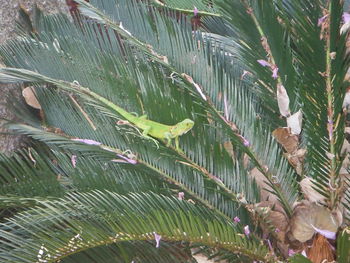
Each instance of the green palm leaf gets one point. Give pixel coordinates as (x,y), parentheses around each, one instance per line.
(343,244)
(93,219)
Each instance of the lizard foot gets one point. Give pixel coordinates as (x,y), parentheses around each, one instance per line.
(154,140)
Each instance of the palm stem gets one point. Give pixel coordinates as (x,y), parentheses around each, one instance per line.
(262,35)
(185,11)
(122,237)
(330,111)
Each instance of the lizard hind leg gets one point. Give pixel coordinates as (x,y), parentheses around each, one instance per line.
(145,134)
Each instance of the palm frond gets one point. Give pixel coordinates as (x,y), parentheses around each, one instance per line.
(286,34)
(322,99)
(346,198)
(343,254)
(93,219)
(137,251)
(183,176)
(28,174)
(259,35)
(299,259)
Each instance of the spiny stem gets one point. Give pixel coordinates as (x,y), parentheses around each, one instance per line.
(182,10)
(330,111)
(261,168)
(230,246)
(182,186)
(262,35)
(268,176)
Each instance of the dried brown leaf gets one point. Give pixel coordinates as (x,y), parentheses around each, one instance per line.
(228,146)
(276,217)
(265,194)
(283,100)
(307,188)
(294,122)
(296,159)
(346,101)
(320,251)
(284,136)
(307,216)
(29,96)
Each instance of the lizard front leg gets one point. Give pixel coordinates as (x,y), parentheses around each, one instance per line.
(167,137)
(145,134)
(177,143)
(146,131)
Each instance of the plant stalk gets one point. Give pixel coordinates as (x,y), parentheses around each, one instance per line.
(330,112)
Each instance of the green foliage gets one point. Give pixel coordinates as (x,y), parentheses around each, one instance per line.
(92,189)
(300,259)
(343,246)
(82,221)
(27,174)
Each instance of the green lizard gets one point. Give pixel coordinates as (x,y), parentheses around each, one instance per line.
(150,129)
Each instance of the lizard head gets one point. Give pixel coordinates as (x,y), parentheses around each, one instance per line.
(182,127)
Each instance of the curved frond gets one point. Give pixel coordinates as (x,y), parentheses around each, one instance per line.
(57,229)
(137,251)
(28,174)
